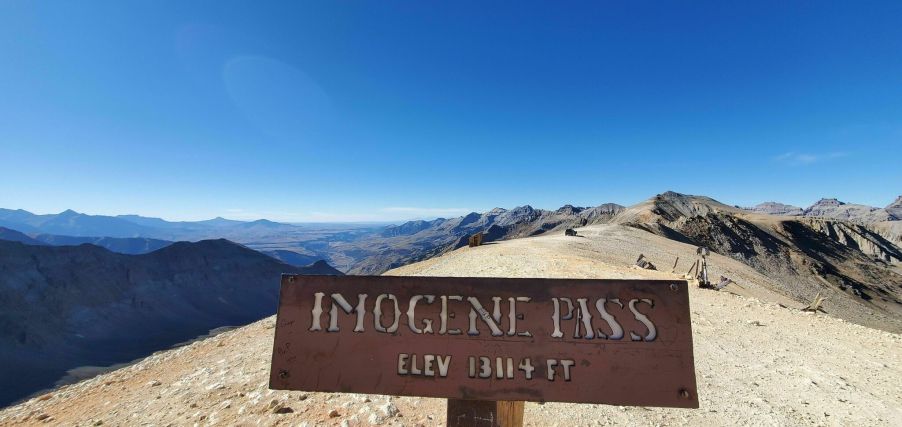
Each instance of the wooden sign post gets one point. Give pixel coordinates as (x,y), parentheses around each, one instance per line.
(503,413)
(487,344)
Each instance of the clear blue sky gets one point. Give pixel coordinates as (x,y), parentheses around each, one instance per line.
(392,110)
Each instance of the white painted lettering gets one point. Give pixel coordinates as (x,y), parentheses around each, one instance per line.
(616,329)
(446,314)
(317,311)
(484,315)
(339,301)
(652,331)
(377,318)
(411,316)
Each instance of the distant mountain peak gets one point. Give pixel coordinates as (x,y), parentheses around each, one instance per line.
(525,209)
(828,202)
(68,212)
(671,194)
(569,209)
(776,208)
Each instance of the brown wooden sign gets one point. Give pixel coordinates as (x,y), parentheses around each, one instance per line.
(619,342)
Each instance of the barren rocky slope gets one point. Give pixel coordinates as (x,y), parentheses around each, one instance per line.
(71,306)
(835,209)
(418,240)
(852,263)
(758,362)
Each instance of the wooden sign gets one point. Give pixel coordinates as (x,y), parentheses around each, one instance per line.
(619,342)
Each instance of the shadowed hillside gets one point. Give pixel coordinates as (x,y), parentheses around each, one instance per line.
(69,306)
(853,264)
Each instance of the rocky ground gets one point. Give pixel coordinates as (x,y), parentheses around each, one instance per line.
(759,360)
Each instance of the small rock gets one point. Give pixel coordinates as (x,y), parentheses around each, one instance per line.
(282,410)
(333,413)
(302,397)
(42,417)
(389,409)
(154,383)
(376,419)
(98,423)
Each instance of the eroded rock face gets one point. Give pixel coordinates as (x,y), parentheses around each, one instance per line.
(835,209)
(895,209)
(809,252)
(774,208)
(858,237)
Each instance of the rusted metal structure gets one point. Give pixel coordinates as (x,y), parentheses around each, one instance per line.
(619,342)
(475,240)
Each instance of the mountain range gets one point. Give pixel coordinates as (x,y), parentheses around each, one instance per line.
(74,299)
(859,263)
(63,307)
(372,249)
(417,240)
(122,245)
(807,255)
(71,223)
(835,209)
(759,359)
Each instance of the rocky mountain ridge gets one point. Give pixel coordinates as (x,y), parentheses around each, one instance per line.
(62,307)
(812,255)
(834,209)
(417,240)
(71,223)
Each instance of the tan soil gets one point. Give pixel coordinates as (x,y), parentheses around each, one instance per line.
(757,362)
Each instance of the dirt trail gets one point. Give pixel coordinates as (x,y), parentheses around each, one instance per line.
(758,363)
